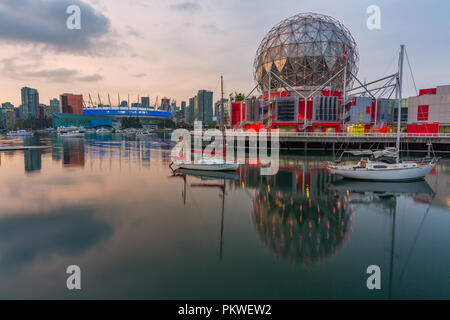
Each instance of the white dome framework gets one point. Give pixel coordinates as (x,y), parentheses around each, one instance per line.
(306,51)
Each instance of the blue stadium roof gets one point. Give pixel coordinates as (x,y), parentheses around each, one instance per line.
(128,112)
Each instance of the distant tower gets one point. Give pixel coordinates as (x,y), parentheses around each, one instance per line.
(145,102)
(189,112)
(30,103)
(203,106)
(55,106)
(165,104)
(72,103)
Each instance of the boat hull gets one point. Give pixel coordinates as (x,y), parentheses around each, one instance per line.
(209,167)
(78,135)
(398,174)
(20,134)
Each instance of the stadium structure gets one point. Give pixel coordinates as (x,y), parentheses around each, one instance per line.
(128,112)
(110,116)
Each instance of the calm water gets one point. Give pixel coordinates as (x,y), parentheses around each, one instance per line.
(138,231)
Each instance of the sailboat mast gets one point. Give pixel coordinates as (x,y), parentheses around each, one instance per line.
(399,90)
(222,114)
(222,118)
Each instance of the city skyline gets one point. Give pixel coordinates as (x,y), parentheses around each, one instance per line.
(162,48)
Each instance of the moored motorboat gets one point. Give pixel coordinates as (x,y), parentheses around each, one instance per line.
(20,133)
(103,131)
(72,134)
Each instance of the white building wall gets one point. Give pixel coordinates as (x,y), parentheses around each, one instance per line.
(439,106)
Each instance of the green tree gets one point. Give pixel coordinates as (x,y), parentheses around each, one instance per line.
(19,123)
(130,122)
(212,125)
(238,97)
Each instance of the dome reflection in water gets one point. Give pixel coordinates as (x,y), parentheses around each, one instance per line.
(300,226)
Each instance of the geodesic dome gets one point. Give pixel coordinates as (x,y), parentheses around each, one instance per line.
(306,50)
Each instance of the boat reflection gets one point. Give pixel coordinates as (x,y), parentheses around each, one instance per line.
(380,192)
(412,187)
(209,175)
(390,196)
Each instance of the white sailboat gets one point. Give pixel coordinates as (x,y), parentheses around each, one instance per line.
(211,164)
(383,170)
(386,165)
(208,165)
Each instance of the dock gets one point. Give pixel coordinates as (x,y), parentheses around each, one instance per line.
(333,141)
(439,142)
(16,148)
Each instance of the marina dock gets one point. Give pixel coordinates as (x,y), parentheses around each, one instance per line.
(16,148)
(305,141)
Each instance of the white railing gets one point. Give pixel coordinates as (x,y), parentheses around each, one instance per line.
(368,134)
(350,134)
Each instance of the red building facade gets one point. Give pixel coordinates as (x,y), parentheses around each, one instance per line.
(72,103)
(321,113)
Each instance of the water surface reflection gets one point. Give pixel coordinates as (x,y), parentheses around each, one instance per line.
(139,230)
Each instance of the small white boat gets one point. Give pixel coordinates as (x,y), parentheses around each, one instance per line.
(129,132)
(144,132)
(72,134)
(46,131)
(103,131)
(208,165)
(67,129)
(20,133)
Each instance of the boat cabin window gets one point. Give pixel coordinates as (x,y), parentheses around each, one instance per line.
(387,160)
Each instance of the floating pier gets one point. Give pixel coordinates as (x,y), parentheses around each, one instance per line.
(15,148)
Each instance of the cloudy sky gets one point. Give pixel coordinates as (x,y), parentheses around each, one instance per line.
(175,47)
